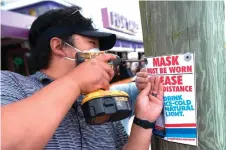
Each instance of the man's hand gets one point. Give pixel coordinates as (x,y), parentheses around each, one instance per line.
(93,74)
(149,106)
(149,102)
(142,79)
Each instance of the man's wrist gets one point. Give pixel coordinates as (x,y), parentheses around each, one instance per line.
(139,138)
(143,123)
(143,116)
(141,129)
(73,83)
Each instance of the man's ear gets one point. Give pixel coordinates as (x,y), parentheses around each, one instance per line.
(56,46)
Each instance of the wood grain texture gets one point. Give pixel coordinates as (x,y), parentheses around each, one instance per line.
(172,27)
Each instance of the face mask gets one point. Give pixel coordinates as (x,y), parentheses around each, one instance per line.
(77,50)
(94,50)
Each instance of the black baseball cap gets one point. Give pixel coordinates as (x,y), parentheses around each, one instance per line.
(106,40)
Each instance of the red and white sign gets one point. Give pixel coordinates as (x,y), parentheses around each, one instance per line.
(178,120)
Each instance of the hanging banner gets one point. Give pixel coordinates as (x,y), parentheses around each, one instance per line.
(177,122)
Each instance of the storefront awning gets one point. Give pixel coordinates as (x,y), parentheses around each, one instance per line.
(121,49)
(127,46)
(15,25)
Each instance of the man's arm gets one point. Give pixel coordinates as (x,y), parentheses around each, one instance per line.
(149,105)
(139,139)
(31,122)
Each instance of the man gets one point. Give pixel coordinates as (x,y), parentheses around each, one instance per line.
(44,109)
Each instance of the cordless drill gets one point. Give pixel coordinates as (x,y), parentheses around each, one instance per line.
(104,105)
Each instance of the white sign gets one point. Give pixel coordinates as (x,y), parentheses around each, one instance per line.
(178,120)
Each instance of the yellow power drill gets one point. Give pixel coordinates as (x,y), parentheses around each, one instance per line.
(104,105)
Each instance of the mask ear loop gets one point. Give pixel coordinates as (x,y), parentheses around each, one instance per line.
(77,50)
(72,47)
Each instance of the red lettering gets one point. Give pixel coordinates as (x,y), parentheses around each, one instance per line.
(149,70)
(184,139)
(161,79)
(179,80)
(172,69)
(171,80)
(152,70)
(183,68)
(156,62)
(174,80)
(162,62)
(177,88)
(162,70)
(167,81)
(165,70)
(175,60)
(168,61)
(189,68)
(190,89)
(180,69)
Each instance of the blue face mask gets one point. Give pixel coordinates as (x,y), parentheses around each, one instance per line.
(78,50)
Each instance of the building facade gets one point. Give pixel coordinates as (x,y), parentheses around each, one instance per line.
(15,47)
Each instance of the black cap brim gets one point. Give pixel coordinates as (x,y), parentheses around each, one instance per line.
(106,40)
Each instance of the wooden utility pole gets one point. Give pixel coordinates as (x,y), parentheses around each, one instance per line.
(173,27)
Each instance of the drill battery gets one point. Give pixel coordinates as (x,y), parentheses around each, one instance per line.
(106,106)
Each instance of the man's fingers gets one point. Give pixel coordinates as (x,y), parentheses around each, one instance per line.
(142,74)
(146,90)
(142,85)
(141,80)
(160,91)
(156,84)
(106,57)
(107,68)
(156,95)
(106,76)
(143,70)
(152,81)
(105,84)
(155,100)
